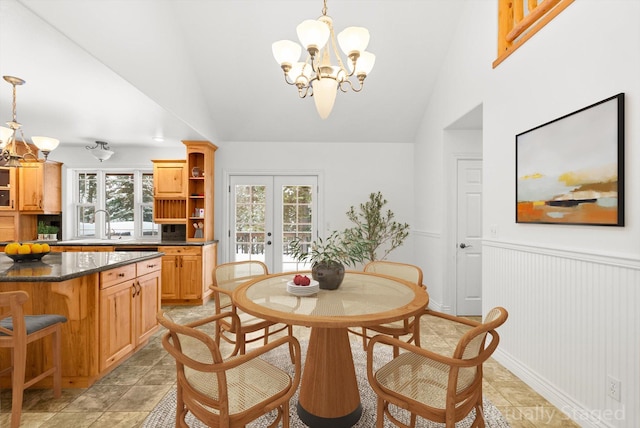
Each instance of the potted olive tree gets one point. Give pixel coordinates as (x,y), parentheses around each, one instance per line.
(328,257)
(374,229)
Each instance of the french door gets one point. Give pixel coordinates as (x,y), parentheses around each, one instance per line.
(266,213)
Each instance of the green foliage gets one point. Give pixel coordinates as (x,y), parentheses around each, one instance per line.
(374,229)
(334,249)
(47,229)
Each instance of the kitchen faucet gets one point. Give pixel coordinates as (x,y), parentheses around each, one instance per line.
(106,213)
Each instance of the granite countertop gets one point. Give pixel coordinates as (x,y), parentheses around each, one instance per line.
(57,267)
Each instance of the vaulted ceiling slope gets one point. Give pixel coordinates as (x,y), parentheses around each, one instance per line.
(125,71)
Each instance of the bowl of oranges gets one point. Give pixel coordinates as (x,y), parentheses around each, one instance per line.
(26,252)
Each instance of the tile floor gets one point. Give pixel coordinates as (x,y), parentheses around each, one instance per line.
(125,396)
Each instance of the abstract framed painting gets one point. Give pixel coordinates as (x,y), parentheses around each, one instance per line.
(571,170)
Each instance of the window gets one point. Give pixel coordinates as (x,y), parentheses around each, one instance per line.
(126,195)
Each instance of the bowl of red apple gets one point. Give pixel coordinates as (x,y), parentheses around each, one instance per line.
(302,285)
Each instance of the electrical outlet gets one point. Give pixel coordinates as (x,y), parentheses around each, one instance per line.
(613,388)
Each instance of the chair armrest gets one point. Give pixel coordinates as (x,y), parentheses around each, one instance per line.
(452,362)
(221,290)
(235,320)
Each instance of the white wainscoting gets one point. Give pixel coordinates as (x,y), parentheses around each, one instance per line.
(574,319)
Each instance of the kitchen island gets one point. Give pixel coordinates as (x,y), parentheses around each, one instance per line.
(109,298)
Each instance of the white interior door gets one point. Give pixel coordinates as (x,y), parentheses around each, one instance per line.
(266,213)
(469,235)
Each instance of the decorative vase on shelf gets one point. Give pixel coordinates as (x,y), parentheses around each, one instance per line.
(329,275)
(196,171)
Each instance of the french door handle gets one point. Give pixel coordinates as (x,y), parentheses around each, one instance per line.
(463,245)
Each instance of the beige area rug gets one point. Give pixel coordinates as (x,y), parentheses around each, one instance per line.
(165,412)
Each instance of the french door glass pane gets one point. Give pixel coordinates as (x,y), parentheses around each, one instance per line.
(250,208)
(296,222)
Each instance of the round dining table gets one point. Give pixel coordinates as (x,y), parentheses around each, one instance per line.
(329,396)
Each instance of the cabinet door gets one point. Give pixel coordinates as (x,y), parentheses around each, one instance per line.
(170,277)
(117,323)
(191,277)
(169,179)
(7,189)
(147,304)
(31,186)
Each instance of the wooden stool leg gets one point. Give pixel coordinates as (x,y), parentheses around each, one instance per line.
(57,362)
(19,363)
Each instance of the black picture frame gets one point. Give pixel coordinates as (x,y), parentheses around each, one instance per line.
(571,170)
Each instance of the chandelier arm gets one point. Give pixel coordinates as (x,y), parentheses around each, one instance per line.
(24,141)
(361,78)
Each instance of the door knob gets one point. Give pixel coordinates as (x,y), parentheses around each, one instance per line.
(463,245)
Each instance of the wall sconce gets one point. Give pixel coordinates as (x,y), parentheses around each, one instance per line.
(100,151)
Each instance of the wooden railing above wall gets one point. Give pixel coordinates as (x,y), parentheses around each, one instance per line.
(516,27)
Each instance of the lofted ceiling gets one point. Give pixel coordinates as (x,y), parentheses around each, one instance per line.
(125,71)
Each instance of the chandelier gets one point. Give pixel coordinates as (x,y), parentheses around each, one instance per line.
(100,151)
(9,155)
(317,76)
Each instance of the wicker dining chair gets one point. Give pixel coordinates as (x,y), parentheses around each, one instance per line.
(442,389)
(408,326)
(226,278)
(225,391)
(16,331)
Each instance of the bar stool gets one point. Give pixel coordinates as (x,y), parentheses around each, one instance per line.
(16,331)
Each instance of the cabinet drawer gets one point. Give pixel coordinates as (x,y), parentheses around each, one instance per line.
(190,250)
(118,275)
(149,266)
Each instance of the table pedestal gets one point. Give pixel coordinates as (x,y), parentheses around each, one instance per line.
(329,396)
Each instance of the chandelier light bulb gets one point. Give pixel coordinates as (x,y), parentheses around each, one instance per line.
(313,33)
(5,136)
(286,52)
(353,39)
(365,63)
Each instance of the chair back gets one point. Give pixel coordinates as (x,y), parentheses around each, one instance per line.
(471,348)
(228,276)
(404,271)
(196,355)
(12,322)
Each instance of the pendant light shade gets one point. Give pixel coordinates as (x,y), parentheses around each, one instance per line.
(353,39)
(313,33)
(324,94)
(45,144)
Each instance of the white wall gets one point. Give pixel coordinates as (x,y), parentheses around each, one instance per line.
(349,173)
(568,288)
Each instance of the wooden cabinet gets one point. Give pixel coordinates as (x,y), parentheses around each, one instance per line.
(149,288)
(200,165)
(183,191)
(169,178)
(170,191)
(40,187)
(187,272)
(129,301)
(8,189)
